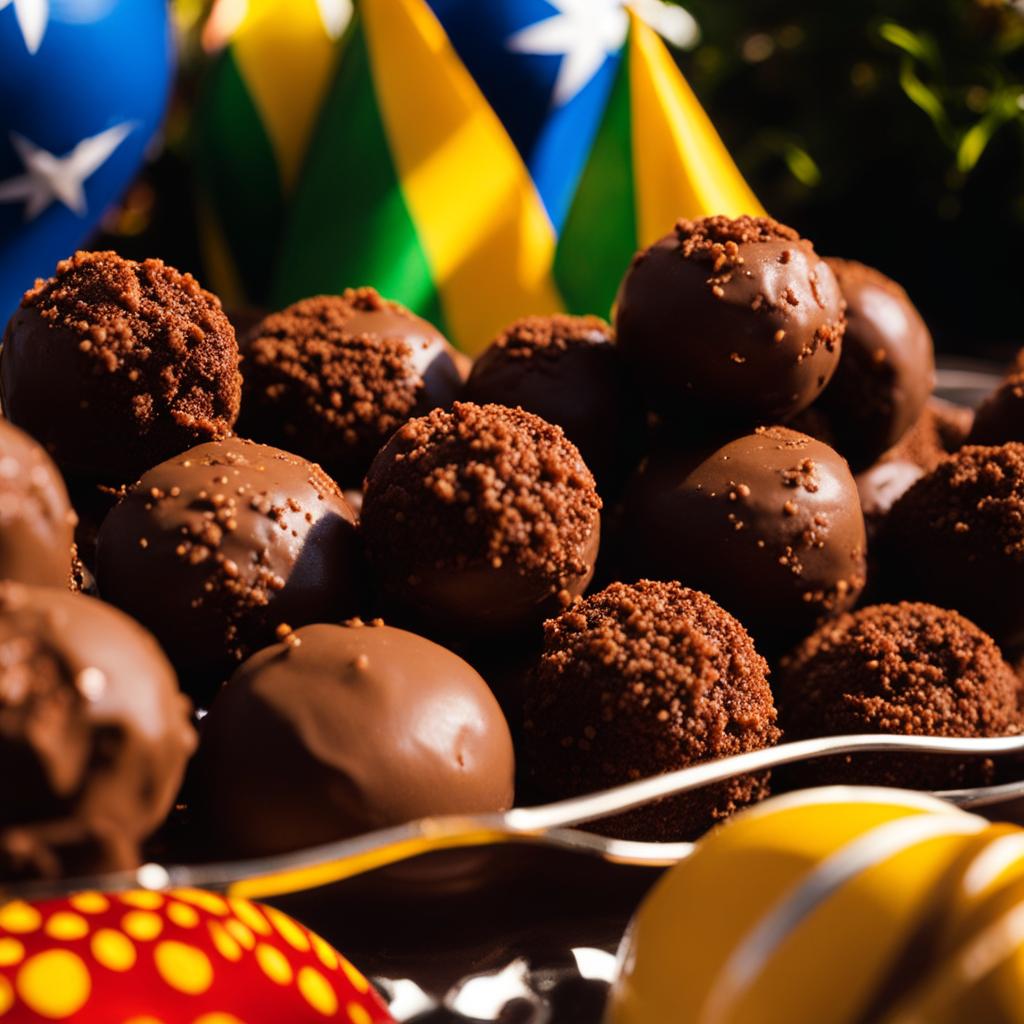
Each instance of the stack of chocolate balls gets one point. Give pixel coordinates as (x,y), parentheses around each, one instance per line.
(399,584)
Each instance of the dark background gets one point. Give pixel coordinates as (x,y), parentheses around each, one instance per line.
(885,130)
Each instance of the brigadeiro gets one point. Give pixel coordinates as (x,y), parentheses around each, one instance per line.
(115,365)
(886,371)
(216,548)
(769,524)
(332,377)
(343,729)
(94,734)
(956,538)
(1000,418)
(881,486)
(939,431)
(478,520)
(731,319)
(641,679)
(36,521)
(569,371)
(906,669)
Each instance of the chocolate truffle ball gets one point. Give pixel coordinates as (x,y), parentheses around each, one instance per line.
(567,370)
(215,549)
(115,365)
(736,320)
(333,377)
(36,521)
(94,734)
(642,679)
(956,538)
(907,669)
(480,520)
(886,371)
(881,486)
(769,524)
(1000,418)
(344,729)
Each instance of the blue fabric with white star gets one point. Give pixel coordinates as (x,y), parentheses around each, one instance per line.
(553,138)
(100,70)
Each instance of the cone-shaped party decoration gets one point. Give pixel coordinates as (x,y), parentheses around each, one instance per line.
(476,162)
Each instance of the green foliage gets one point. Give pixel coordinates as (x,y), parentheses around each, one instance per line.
(884,129)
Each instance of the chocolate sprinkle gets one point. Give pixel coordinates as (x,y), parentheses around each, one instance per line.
(642,679)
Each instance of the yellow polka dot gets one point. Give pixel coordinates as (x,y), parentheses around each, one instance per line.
(143,1020)
(317,991)
(113,950)
(357,1015)
(11,952)
(359,983)
(240,933)
(90,902)
(288,929)
(250,915)
(143,900)
(183,915)
(184,968)
(324,951)
(274,964)
(143,925)
(207,901)
(65,926)
(18,917)
(54,984)
(223,943)
(6,995)
(217,1018)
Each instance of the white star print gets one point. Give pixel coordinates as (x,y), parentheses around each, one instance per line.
(583,32)
(32,17)
(48,178)
(335,15)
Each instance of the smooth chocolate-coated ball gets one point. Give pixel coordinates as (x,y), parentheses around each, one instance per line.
(480,520)
(734,320)
(218,548)
(344,729)
(332,377)
(1000,418)
(769,524)
(569,371)
(886,370)
(642,679)
(36,521)
(94,734)
(114,365)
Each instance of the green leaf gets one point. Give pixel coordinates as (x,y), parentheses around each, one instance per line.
(916,45)
(801,165)
(925,97)
(1003,108)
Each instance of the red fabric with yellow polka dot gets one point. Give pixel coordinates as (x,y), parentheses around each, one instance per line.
(183,957)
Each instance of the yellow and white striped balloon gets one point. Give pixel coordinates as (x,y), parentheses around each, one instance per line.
(839,905)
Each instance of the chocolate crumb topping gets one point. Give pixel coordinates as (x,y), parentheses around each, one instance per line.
(551,335)
(333,376)
(150,355)
(911,669)
(970,508)
(481,488)
(641,679)
(716,240)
